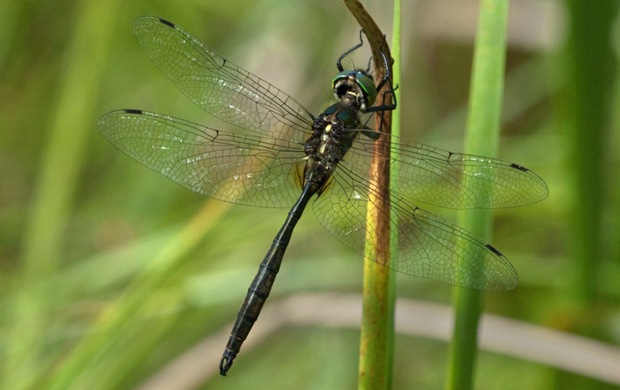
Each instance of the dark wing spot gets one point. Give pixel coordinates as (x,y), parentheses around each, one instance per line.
(519,167)
(494,250)
(133,111)
(167,23)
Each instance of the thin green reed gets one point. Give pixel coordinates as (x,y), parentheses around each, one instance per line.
(481,139)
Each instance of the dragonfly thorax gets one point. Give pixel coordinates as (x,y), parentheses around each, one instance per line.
(333,133)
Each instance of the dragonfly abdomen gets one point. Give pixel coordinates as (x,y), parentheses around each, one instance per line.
(263,281)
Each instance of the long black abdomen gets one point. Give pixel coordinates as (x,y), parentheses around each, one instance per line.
(263,282)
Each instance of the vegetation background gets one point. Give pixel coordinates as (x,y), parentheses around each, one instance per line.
(109,272)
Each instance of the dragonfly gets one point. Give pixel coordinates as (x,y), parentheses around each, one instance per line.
(276,153)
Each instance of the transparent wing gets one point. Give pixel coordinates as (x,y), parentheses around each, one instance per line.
(218,86)
(427,246)
(452,180)
(233,167)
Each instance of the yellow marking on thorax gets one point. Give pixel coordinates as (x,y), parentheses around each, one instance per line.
(325,138)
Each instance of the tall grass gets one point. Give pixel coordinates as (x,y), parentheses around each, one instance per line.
(61,162)
(591,67)
(482,136)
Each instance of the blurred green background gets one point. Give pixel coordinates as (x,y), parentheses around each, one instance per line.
(109,272)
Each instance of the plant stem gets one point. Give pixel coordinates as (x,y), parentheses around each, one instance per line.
(377,329)
(482,139)
(395,130)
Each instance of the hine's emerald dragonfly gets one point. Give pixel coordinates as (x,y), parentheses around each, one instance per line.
(277,154)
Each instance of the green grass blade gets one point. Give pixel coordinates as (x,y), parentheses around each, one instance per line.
(590,66)
(100,356)
(396,122)
(58,175)
(590,75)
(482,138)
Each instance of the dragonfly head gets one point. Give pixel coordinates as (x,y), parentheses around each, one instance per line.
(358,84)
